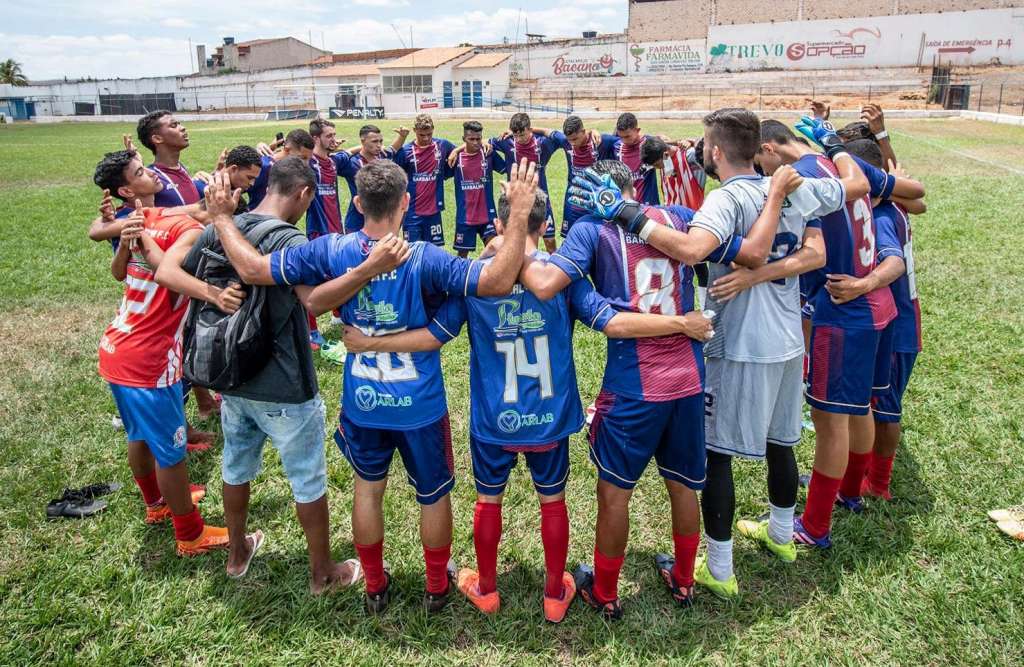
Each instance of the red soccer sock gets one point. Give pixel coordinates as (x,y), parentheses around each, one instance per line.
(371,559)
(150,489)
(486,536)
(606,576)
(686,555)
(437,567)
(188,527)
(821,496)
(312,321)
(554,533)
(855,469)
(880,473)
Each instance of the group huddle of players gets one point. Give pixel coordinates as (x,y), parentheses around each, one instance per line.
(807,294)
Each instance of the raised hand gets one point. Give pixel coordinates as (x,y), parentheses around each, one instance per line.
(822,133)
(106,209)
(596,193)
(521,188)
(872,114)
(129,145)
(221,160)
(264,149)
(818,109)
(221,199)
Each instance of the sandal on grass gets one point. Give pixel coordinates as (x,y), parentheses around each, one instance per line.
(257,538)
(1014,529)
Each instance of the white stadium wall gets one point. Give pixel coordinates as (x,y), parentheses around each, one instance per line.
(569,61)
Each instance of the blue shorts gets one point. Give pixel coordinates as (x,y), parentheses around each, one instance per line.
(465,235)
(883,362)
(155,415)
(493,463)
(426,453)
(424,228)
(627,432)
(844,369)
(296,431)
(887,406)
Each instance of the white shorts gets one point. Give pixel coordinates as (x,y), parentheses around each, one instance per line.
(748,405)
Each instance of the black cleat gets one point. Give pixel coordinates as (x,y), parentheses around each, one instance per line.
(664,564)
(377,603)
(99,489)
(435,602)
(74,505)
(584,578)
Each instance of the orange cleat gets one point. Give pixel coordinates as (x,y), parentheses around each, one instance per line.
(555,608)
(468,583)
(162,512)
(212,537)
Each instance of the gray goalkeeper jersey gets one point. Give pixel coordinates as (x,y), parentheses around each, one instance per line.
(762,324)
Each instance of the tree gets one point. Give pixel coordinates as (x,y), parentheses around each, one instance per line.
(10,72)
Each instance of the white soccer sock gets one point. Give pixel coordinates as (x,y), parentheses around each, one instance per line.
(719,558)
(780,524)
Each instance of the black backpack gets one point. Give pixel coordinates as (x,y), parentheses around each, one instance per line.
(222,351)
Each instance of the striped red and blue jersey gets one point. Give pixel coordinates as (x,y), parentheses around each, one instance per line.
(578,160)
(474,186)
(324,213)
(645,178)
(636,277)
(894,223)
(426,167)
(393,391)
(850,249)
(347,170)
(537,150)
(180,189)
(522,378)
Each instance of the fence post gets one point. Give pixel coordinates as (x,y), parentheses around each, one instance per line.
(225,101)
(812,92)
(709,98)
(760,98)
(615,99)
(531,97)
(981,93)
(663,99)
(869,93)
(999,107)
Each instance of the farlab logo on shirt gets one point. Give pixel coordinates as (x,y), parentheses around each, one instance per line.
(510,421)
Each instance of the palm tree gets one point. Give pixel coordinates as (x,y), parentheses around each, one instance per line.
(10,72)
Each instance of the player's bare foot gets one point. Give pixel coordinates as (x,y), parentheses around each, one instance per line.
(197,436)
(206,404)
(335,577)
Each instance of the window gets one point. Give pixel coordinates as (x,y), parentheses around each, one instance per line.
(415,83)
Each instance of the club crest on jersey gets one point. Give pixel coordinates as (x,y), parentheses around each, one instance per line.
(511,421)
(380,313)
(512,321)
(368,398)
(179,438)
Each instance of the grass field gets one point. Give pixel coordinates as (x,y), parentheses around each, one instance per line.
(924,580)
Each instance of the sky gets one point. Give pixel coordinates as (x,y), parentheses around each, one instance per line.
(135,38)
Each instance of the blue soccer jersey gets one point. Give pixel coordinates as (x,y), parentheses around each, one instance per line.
(895,222)
(258,190)
(426,167)
(578,160)
(522,378)
(645,177)
(538,151)
(635,276)
(384,390)
(347,170)
(474,186)
(850,249)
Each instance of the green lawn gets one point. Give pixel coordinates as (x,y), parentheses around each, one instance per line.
(923,580)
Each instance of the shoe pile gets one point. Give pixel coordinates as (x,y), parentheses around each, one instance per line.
(80,503)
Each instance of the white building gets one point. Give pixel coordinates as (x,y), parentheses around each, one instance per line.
(355,90)
(443,78)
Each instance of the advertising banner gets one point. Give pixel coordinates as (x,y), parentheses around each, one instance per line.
(584,60)
(666,57)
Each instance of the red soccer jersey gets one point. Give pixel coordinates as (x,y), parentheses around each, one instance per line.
(680,185)
(142,346)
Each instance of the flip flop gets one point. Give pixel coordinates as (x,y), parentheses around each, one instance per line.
(1014,529)
(1015,514)
(258,538)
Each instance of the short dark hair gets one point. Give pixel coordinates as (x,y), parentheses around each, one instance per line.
(736,131)
(538,213)
(858,129)
(652,151)
(109,173)
(368,129)
(317,125)
(148,125)
(290,175)
(867,150)
(519,122)
(299,139)
(472,126)
(572,125)
(619,172)
(626,121)
(380,185)
(243,156)
(776,132)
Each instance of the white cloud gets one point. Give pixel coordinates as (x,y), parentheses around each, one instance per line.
(381,3)
(117,55)
(175,22)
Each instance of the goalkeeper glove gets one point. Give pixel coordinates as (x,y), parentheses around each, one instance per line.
(822,133)
(599,195)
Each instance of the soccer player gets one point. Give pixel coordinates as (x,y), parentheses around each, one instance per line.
(845,336)
(682,175)
(895,239)
(651,403)
(525,407)
(423,161)
(522,142)
(753,389)
(166,138)
(582,150)
(627,148)
(396,401)
(371,147)
(474,171)
(297,143)
(140,355)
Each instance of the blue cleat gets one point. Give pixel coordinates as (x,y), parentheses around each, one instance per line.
(853,503)
(584,578)
(802,537)
(316,340)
